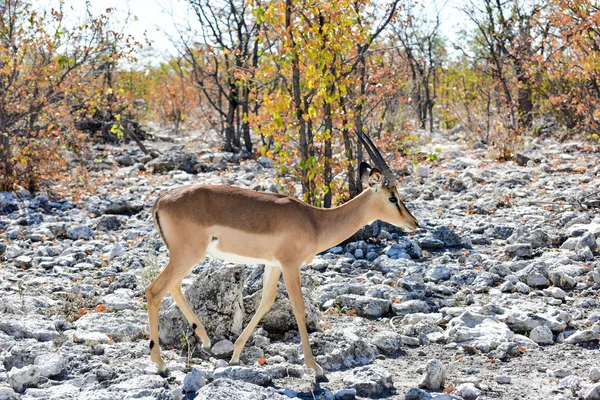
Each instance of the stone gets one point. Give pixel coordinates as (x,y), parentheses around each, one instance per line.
(410,307)
(124,160)
(430,243)
(336,349)
(21,378)
(396,251)
(175,160)
(80,232)
(50,365)
(119,300)
(410,341)
(414,250)
(569,382)
(587,240)
(369,381)
(522,288)
(555,292)
(227,389)
(35,327)
(129,324)
(370,307)
(222,349)
(8,202)
(345,394)
(194,380)
(522,323)
(422,172)
(7,393)
(538,238)
(148,386)
(594,374)
(388,342)
(524,341)
(522,159)
(541,335)
(559,373)
(477,328)
(507,287)
(582,337)
(468,391)
(434,377)
(590,392)
(24,262)
(246,374)
(523,250)
(503,379)
(456,185)
(535,279)
(417,394)
(250,354)
(439,273)
(109,223)
(447,236)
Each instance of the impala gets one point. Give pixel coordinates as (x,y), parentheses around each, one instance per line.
(281,232)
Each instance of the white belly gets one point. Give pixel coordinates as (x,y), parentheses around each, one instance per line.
(213,251)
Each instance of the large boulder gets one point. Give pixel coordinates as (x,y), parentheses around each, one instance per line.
(280,317)
(484,331)
(216,297)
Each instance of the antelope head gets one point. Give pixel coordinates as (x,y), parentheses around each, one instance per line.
(381,180)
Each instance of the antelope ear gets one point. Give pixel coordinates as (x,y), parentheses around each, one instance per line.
(363,171)
(375,178)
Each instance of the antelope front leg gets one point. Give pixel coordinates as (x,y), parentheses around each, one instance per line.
(187,311)
(291,277)
(270,279)
(154,294)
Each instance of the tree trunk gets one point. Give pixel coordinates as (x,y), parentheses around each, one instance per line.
(327,174)
(349,151)
(525,104)
(245,115)
(237,133)
(6,167)
(230,125)
(358,121)
(430,108)
(296,94)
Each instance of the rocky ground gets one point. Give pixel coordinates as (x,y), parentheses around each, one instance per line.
(495,297)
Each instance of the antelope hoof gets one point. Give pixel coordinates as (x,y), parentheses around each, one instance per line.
(234,361)
(206,345)
(161,367)
(320,374)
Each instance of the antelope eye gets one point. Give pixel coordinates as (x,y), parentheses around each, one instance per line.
(393,199)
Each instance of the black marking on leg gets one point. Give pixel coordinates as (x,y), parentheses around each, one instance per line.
(151,344)
(194,326)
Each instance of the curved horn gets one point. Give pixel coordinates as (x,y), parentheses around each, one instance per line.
(377,158)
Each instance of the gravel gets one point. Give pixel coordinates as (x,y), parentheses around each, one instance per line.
(498,289)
